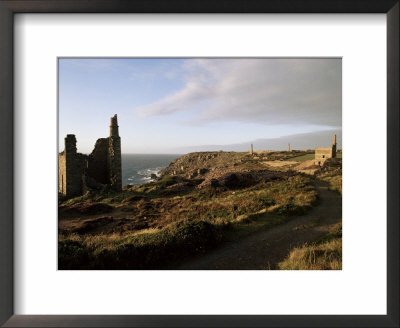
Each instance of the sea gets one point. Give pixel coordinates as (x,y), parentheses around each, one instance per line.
(137,168)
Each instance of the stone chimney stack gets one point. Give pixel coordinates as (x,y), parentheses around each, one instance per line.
(114,126)
(334,146)
(70,144)
(289,147)
(114,156)
(251,149)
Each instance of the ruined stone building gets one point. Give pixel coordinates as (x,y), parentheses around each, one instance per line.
(78,173)
(322,154)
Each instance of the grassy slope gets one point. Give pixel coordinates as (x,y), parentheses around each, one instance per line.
(200,220)
(325,254)
(302,158)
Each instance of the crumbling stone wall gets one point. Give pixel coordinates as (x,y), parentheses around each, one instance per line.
(62,189)
(97,161)
(71,168)
(78,173)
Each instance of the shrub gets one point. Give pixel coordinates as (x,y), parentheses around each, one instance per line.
(142,251)
(168,181)
(72,254)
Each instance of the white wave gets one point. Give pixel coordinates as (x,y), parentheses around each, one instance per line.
(144,175)
(150,171)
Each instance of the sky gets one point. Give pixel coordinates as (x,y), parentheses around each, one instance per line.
(177,105)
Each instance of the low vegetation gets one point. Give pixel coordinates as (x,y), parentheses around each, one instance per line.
(332,173)
(324,254)
(155,225)
(151,250)
(201,201)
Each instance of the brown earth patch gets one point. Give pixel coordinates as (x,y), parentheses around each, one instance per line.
(133,199)
(86,208)
(91,225)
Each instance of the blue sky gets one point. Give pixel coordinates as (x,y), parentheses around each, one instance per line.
(166,105)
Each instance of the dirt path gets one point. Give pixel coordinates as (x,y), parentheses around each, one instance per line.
(265,249)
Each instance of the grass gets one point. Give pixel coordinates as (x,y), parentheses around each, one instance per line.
(246,225)
(149,190)
(302,158)
(325,254)
(156,249)
(180,226)
(308,157)
(334,180)
(333,175)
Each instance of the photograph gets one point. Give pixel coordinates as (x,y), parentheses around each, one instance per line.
(198,163)
(197,177)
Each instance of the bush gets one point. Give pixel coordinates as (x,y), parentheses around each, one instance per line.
(72,254)
(144,251)
(167,181)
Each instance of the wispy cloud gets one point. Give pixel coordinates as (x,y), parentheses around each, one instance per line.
(269,91)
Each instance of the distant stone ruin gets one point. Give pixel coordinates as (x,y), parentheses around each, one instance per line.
(78,173)
(251,149)
(322,154)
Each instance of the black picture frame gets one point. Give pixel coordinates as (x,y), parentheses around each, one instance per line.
(10,7)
